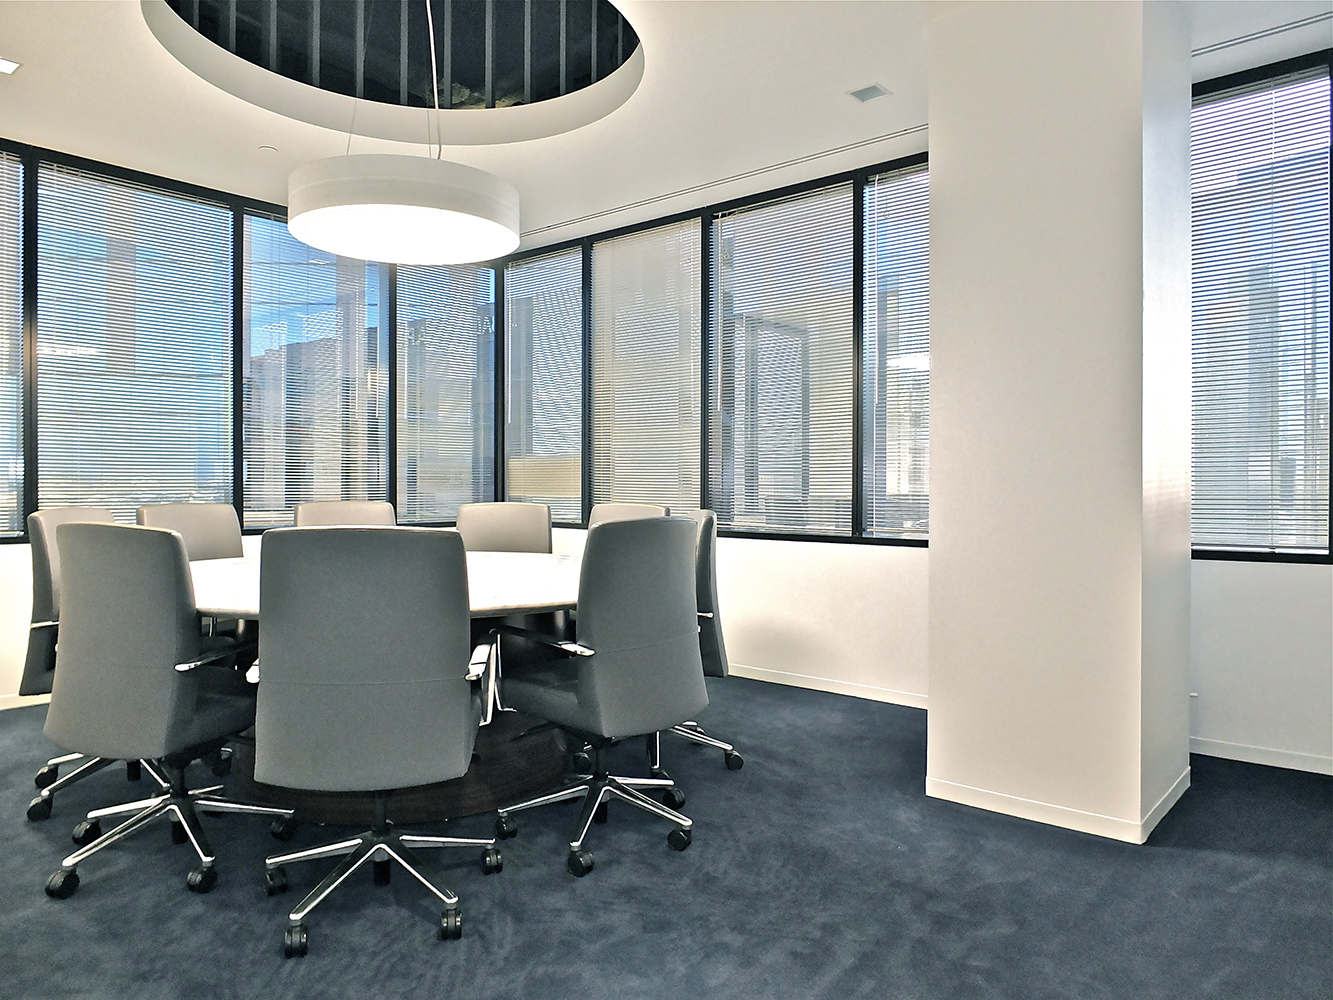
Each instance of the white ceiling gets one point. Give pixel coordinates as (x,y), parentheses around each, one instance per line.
(737,97)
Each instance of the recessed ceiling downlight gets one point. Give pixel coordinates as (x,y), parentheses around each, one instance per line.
(402,209)
(869,93)
(8,65)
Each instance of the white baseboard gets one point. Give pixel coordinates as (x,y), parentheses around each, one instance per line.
(19,701)
(1096,824)
(830,685)
(1262,755)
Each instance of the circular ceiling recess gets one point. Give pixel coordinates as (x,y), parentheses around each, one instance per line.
(534,67)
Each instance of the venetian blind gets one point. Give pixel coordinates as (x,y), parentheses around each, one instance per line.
(315,376)
(1260,209)
(645,367)
(446,409)
(11,345)
(133,344)
(896,354)
(544,383)
(780,366)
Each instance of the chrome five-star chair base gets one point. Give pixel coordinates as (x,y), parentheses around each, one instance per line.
(694,732)
(596,790)
(381,845)
(49,779)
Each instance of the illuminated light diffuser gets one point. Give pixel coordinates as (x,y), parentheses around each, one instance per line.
(402,209)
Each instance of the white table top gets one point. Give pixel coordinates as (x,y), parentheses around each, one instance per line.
(499,583)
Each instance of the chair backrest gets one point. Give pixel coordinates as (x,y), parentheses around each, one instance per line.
(210,530)
(505,527)
(42,524)
(711,647)
(637,610)
(603,512)
(127,618)
(363,652)
(345,512)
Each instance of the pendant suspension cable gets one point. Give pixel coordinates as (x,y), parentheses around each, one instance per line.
(434,82)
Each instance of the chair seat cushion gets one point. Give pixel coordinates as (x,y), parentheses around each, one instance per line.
(548,693)
(216,715)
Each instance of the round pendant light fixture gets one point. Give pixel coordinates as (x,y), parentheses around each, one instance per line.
(402,209)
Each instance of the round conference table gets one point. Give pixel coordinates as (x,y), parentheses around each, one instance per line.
(504,769)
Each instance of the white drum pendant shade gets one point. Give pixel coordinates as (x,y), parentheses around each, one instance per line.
(402,209)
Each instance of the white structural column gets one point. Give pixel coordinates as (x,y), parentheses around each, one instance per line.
(1059,548)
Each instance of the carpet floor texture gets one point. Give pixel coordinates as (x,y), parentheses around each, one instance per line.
(819,870)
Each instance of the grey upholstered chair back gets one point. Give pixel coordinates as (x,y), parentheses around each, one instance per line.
(637,610)
(42,524)
(345,512)
(363,655)
(505,527)
(711,647)
(127,618)
(210,530)
(603,512)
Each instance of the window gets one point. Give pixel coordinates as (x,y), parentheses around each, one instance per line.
(11,345)
(780,366)
(895,359)
(315,376)
(645,367)
(1260,192)
(133,345)
(446,376)
(544,365)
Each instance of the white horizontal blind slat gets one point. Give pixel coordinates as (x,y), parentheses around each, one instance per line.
(446,411)
(544,383)
(133,344)
(896,354)
(780,373)
(645,356)
(11,345)
(315,376)
(1260,194)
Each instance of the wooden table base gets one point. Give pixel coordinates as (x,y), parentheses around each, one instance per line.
(504,770)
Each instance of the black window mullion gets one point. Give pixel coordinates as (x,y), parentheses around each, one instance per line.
(389,336)
(858,325)
(30,334)
(705,351)
(238,363)
(586,458)
(501,417)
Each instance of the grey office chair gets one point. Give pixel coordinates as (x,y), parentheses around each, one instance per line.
(210,530)
(140,696)
(603,512)
(633,671)
(367,686)
(345,512)
(505,527)
(39,667)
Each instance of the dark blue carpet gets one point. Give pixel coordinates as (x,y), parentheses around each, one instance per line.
(821,870)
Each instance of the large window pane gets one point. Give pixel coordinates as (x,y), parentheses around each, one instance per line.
(1260,189)
(780,386)
(11,345)
(314,379)
(544,365)
(446,409)
(133,345)
(645,367)
(895,363)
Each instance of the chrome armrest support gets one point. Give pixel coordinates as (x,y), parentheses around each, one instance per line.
(214,656)
(481,658)
(572,648)
(43,624)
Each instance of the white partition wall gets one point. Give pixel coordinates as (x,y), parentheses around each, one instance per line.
(1059,558)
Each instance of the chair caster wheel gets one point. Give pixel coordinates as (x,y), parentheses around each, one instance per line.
(505,828)
(283,828)
(679,839)
(382,870)
(219,762)
(86,832)
(451,924)
(599,814)
(202,880)
(40,808)
(673,798)
(275,881)
(295,941)
(580,763)
(178,834)
(62,884)
(46,775)
(579,863)
(734,760)
(133,770)
(491,861)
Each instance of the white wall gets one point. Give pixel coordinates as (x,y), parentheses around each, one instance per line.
(15,613)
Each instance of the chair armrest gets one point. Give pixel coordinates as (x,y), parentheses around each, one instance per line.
(705,614)
(570,648)
(215,655)
(35,625)
(481,658)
